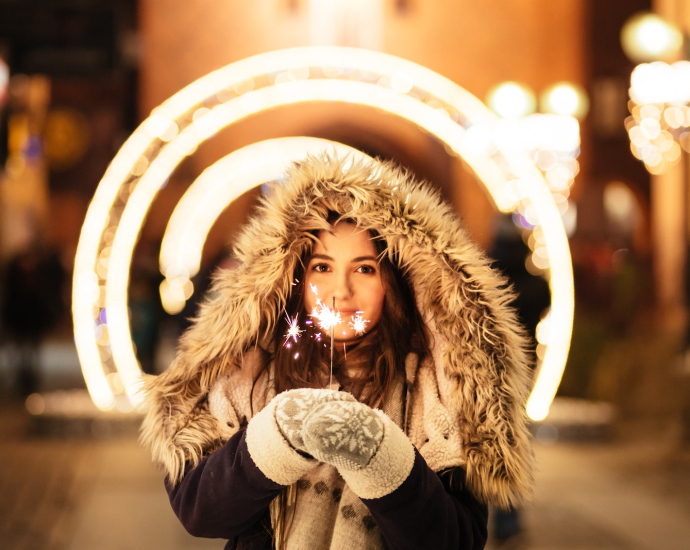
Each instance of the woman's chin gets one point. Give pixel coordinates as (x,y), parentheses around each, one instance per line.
(347,339)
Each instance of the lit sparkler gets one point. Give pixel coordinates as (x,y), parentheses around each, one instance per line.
(326,317)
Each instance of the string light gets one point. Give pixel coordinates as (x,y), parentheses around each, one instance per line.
(659,120)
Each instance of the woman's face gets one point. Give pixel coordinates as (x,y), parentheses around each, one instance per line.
(343,266)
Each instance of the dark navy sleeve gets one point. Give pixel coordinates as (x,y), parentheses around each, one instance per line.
(426,512)
(225,495)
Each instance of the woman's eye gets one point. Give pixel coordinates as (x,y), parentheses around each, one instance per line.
(366,269)
(320,268)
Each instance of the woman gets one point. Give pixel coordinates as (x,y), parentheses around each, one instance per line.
(259,445)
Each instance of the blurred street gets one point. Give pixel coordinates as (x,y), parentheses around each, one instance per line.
(76,493)
(89,493)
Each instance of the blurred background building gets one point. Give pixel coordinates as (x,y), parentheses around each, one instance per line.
(77,78)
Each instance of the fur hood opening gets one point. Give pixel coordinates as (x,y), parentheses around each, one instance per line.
(480,360)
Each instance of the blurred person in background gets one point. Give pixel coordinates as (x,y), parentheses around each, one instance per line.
(32,304)
(146,311)
(509,253)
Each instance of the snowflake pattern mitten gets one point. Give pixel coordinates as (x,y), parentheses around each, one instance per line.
(294,406)
(346,434)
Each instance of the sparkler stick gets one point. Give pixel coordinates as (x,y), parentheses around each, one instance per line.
(327,319)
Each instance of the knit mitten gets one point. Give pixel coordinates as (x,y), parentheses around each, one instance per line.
(371,452)
(274,434)
(294,406)
(345,434)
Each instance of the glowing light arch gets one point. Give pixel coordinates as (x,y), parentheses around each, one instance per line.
(256,84)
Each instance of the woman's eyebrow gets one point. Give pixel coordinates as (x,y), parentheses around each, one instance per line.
(364,258)
(354,260)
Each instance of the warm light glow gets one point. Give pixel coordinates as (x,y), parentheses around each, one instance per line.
(357,23)
(660,82)
(35,404)
(565,98)
(647,37)
(511,99)
(620,204)
(4,81)
(537,132)
(181,124)
(175,291)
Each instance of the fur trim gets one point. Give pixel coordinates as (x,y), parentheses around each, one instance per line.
(479,351)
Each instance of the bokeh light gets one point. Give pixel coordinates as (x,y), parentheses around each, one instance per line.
(620,205)
(647,36)
(512,99)
(659,82)
(565,98)
(660,117)
(4,81)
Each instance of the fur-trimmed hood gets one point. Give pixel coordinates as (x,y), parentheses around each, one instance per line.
(480,360)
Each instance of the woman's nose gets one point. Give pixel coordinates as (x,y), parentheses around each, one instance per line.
(343,287)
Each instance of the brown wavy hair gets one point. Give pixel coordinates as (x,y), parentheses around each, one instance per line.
(375,359)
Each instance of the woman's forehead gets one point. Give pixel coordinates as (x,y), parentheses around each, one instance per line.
(345,239)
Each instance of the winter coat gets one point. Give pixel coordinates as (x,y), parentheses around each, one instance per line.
(466,400)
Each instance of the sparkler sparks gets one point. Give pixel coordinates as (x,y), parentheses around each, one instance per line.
(293,330)
(359,323)
(326,317)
